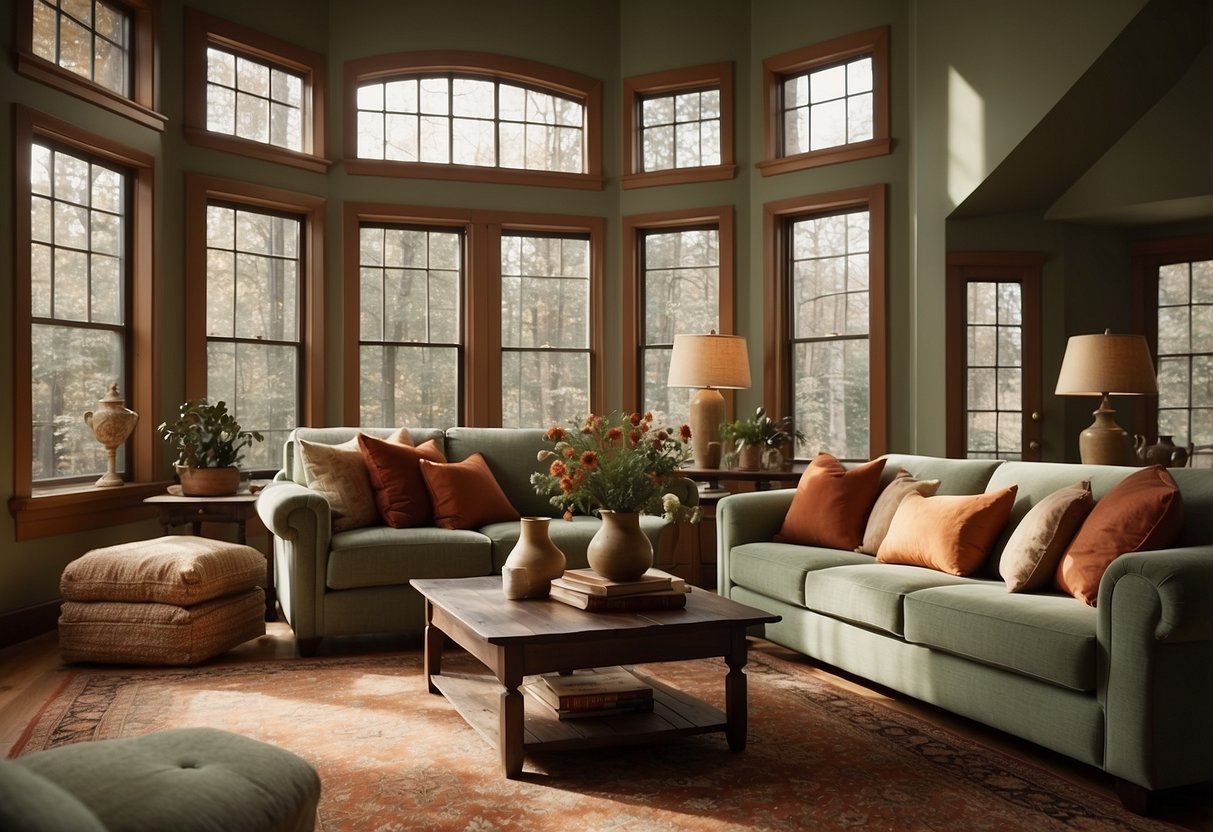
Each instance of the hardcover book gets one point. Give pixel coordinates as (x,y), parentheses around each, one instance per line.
(595,689)
(587,580)
(665,599)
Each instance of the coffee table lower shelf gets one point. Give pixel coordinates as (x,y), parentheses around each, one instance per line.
(477,698)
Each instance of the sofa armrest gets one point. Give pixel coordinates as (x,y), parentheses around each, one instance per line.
(301,522)
(752,517)
(1155,640)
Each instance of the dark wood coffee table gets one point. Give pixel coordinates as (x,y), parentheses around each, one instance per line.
(514,639)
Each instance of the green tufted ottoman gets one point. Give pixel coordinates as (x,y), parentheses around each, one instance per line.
(182,780)
(173,600)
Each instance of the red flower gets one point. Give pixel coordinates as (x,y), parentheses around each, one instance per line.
(635,436)
(662,436)
(558,469)
(685,432)
(634,419)
(648,415)
(568,514)
(555,434)
(569,452)
(614,434)
(566,484)
(590,460)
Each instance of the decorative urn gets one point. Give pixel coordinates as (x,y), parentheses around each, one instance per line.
(111,424)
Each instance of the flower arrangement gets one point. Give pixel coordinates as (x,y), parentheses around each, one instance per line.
(616,463)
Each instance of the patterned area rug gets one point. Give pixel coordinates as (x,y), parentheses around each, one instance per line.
(393,757)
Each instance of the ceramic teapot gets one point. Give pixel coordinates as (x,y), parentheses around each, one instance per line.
(1164,453)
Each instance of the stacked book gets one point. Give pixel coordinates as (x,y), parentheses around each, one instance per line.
(587,590)
(601,691)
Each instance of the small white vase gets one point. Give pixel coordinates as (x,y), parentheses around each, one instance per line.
(619,550)
(533,562)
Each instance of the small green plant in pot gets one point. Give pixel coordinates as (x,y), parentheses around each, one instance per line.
(210,444)
(757,440)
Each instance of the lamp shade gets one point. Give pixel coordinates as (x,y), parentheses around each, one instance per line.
(709,361)
(1107,364)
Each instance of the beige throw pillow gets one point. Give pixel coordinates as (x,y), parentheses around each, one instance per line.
(886,506)
(338,473)
(1035,547)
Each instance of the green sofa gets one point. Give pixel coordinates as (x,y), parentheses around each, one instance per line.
(1126,686)
(357,581)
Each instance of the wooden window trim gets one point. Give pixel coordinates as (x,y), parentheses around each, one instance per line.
(672,81)
(140,107)
(63,509)
(202,31)
(530,73)
(199,192)
(1024,268)
(775,69)
(777,382)
(633,227)
(1146,257)
(482,292)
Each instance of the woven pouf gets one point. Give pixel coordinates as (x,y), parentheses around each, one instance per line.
(184,780)
(173,600)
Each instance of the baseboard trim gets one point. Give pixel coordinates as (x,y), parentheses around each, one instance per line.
(23,624)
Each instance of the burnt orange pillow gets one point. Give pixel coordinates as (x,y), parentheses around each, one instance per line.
(831,504)
(400,492)
(952,534)
(465,495)
(1141,512)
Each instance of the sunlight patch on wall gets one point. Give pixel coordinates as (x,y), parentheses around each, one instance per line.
(966,138)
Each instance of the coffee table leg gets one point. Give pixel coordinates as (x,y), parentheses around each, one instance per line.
(735,707)
(434,641)
(511,714)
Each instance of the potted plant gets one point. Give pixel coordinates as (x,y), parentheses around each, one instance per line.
(784,440)
(209,443)
(747,438)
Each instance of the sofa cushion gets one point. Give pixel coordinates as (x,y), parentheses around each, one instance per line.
(1045,636)
(1035,547)
(831,504)
(338,473)
(401,497)
(778,570)
(953,534)
(381,556)
(465,495)
(511,454)
(886,506)
(870,594)
(1143,512)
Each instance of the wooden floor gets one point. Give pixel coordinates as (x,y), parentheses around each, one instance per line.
(31,672)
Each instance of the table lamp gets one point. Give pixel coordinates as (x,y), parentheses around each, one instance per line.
(710,362)
(1106,365)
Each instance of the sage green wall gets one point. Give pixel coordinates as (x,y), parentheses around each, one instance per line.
(1020,58)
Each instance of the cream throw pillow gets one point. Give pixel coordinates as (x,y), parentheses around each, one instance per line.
(338,473)
(1035,547)
(886,506)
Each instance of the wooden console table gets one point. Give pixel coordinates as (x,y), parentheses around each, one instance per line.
(238,509)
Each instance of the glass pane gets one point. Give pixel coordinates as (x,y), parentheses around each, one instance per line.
(1173,285)
(827,124)
(859,118)
(106,290)
(220,110)
(982,388)
(252,117)
(1010,434)
(983,303)
(44,28)
(1202,381)
(826,84)
(409,385)
(252,77)
(435,139)
(982,434)
(474,142)
(859,76)
(831,396)
(658,144)
(686,146)
(403,142)
(1202,329)
(1010,388)
(258,381)
(1173,380)
(1173,330)
(654,111)
(220,294)
(669,405)
(370,135)
(543,388)
(71,285)
(401,96)
(511,102)
(796,131)
(435,96)
(1010,346)
(472,98)
(983,346)
(1202,282)
(710,138)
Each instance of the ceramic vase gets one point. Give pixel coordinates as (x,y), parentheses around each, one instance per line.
(749,457)
(111,424)
(209,482)
(619,550)
(533,562)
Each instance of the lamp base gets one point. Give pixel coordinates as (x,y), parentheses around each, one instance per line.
(1104,442)
(707,412)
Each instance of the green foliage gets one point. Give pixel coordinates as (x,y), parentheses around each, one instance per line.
(207,436)
(760,429)
(617,462)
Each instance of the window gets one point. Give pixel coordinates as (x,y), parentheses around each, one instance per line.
(1175,278)
(248,93)
(545,328)
(678,277)
(102,51)
(456,115)
(827,103)
(993,365)
(253,270)
(430,293)
(410,343)
(678,126)
(825,295)
(82,322)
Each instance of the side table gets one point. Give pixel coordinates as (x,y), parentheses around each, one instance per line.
(176,510)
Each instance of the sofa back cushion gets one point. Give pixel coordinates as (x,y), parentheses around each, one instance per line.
(292,461)
(886,506)
(401,497)
(832,504)
(511,454)
(956,476)
(1035,547)
(951,533)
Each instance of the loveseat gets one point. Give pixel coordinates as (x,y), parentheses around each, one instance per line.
(1125,685)
(356,581)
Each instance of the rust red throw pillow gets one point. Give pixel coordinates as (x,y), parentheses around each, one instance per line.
(1141,512)
(400,493)
(831,504)
(465,495)
(952,534)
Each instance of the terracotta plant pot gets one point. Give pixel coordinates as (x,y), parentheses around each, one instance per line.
(209,482)
(619,550)
(533,562)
